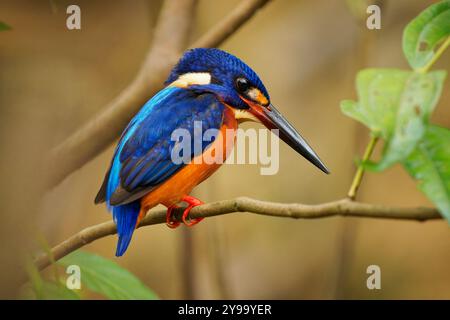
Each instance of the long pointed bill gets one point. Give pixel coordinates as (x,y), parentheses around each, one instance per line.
(273,119)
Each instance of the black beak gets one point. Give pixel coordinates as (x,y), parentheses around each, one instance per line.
(273,119)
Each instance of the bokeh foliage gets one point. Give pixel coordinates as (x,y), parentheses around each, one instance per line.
(396,105)
(97,274)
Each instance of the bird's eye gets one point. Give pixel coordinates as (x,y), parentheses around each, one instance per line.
(242,85)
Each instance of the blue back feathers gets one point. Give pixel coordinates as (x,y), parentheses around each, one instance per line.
(135,123)
(125,216)
(142,159)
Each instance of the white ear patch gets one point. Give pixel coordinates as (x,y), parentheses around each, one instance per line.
(243,115)
(192,78)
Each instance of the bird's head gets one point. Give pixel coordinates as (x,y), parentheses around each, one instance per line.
(238,86)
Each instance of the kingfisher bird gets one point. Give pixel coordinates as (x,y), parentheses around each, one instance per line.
(206,85)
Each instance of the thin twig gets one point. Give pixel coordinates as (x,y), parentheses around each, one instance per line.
(170,37)
(169,41)
(233,21)
(343,207)
(360,172)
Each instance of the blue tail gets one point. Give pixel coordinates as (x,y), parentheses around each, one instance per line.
(125,217)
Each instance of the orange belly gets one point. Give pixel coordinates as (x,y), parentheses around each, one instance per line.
(182,183)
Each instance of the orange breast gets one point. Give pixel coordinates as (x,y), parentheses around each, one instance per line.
(199,169)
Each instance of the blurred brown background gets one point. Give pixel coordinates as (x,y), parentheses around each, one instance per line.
(53,80)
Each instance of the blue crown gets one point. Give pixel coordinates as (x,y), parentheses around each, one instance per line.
(223,67)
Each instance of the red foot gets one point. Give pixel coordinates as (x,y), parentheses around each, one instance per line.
(192,202)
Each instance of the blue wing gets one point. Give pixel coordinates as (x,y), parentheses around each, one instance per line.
(142,159)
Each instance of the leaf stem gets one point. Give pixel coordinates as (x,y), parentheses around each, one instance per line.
(436,56)
(360,172)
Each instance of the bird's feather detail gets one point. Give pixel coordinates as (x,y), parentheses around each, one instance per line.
(142,159)
(125,217)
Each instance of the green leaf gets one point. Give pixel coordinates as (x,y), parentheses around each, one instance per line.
(54,291)
(396,106)
(107,278)
(379,92)
(36,282)
(48,291)
(4,26)
(424,35)
(420,95)
(430,164)
(39,289)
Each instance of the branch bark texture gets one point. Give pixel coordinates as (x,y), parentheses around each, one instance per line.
(344,208)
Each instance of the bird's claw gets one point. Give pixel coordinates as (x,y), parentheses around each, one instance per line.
(169,221)
(192,202)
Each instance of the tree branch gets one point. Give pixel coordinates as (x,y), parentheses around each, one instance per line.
(232,22)
(345,208)
(169,41)
(170,37)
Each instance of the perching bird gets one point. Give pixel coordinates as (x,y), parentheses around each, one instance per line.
(207,85)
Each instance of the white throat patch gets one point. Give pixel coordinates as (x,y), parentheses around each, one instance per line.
(192,78)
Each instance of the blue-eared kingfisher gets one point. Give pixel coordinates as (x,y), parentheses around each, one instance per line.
(207,85)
